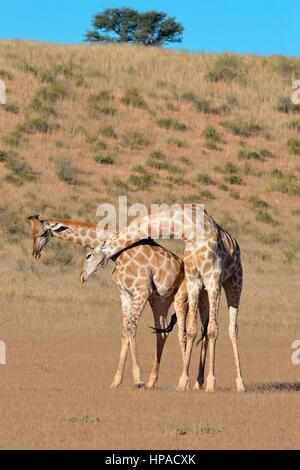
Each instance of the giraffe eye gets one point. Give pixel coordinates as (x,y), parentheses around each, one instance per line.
(89,256)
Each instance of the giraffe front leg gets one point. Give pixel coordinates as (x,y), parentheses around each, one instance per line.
(137,308)
(233,334)
(160,311)
(123,355)
(233,289)
(126,301)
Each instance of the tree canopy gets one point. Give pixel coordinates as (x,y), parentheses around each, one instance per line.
(126,25)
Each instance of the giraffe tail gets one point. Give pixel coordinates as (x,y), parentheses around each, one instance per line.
(169,328)
(204,333)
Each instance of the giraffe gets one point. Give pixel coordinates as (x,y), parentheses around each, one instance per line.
(212,260)
(95,261)
(145,271)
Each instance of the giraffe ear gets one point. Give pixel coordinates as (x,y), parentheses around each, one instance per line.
(33,219)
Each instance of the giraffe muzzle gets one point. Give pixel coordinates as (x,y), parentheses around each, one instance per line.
(83,277)
(36,255)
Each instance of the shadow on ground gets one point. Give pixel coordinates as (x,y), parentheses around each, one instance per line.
(274,387)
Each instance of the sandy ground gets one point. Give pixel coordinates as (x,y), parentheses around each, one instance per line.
(62,349)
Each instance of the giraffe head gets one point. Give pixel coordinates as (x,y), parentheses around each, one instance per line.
(41,234)
(94,261)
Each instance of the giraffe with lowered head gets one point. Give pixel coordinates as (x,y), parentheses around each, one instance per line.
(145,271)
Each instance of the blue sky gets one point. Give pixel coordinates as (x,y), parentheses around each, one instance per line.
(242,26)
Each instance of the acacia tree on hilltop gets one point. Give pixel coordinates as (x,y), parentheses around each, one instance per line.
(126,25)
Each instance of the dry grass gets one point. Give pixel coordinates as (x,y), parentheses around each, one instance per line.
(63,339)
(75,97)
(62,349)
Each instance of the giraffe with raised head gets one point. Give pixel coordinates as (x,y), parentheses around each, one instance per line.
(145,271)
(212,260)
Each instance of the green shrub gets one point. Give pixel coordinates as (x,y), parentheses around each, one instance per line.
(178,143)
(11,108)
(285,66)
(242,127)
(118,183)
(264,216)
(284,183)
(135,140)
(233,179)
(204,178)
(108,131)
(169,123)
(206,194)
(98,104)
(257,203)
(99,145)
(159,161)
(246,154)
(4,156)
(223,187)
(13,139)
(212,137)
(65,170)
(100,97)
(20,170)
(185,160)
(39,106)
(228,168)
(104,159)
(133,98)
(205,105)
(36,125)
(226,69)
(294,125)
(293,146)
(4,75)
(141,181)
(285,105)
(296,212)
(234,194)
(52,93)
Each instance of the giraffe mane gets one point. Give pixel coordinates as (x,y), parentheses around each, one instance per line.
(76,223)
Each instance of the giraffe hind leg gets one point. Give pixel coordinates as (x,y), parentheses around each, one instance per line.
(204,312)
(233,288)
(160,310)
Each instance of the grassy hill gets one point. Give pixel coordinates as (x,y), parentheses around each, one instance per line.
(83,124)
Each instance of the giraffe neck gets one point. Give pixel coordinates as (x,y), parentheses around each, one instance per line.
(80,233)
(178,222)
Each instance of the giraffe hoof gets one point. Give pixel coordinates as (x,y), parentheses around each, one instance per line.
(139,385)
(149,386)
(183,387)
(197,386)
(210,384)
(114,385)
(240,386)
